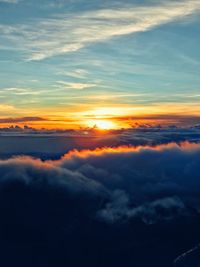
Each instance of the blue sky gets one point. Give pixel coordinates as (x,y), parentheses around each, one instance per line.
(69,60)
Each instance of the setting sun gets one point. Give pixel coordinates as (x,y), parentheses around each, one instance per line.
(102,124)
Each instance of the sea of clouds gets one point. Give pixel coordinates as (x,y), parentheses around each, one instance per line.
(122,206)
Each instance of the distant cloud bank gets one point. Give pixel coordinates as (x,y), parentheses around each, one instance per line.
(21,119)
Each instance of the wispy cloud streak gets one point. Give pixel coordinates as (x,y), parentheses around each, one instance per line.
(9,1)
(22,119)
(71,32)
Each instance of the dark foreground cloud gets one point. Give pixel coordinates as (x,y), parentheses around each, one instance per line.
(120,206)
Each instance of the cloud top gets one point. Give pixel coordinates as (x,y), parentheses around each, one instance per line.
(141,175)
(71,211)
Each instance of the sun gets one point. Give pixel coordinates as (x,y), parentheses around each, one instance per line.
(102,124)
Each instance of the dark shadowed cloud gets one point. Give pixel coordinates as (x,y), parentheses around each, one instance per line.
(20,119)
(125,206)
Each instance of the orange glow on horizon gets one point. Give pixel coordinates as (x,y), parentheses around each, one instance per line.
(113,116)
(102,124)
(86,153)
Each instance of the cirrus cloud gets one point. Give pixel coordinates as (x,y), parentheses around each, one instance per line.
(71,32)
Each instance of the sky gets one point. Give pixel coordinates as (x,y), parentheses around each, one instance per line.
(80,63)
(99,133)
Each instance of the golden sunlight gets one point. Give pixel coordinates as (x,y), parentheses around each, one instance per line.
(102,124)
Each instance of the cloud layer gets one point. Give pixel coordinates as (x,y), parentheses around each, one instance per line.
(91,204)
(21,119)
